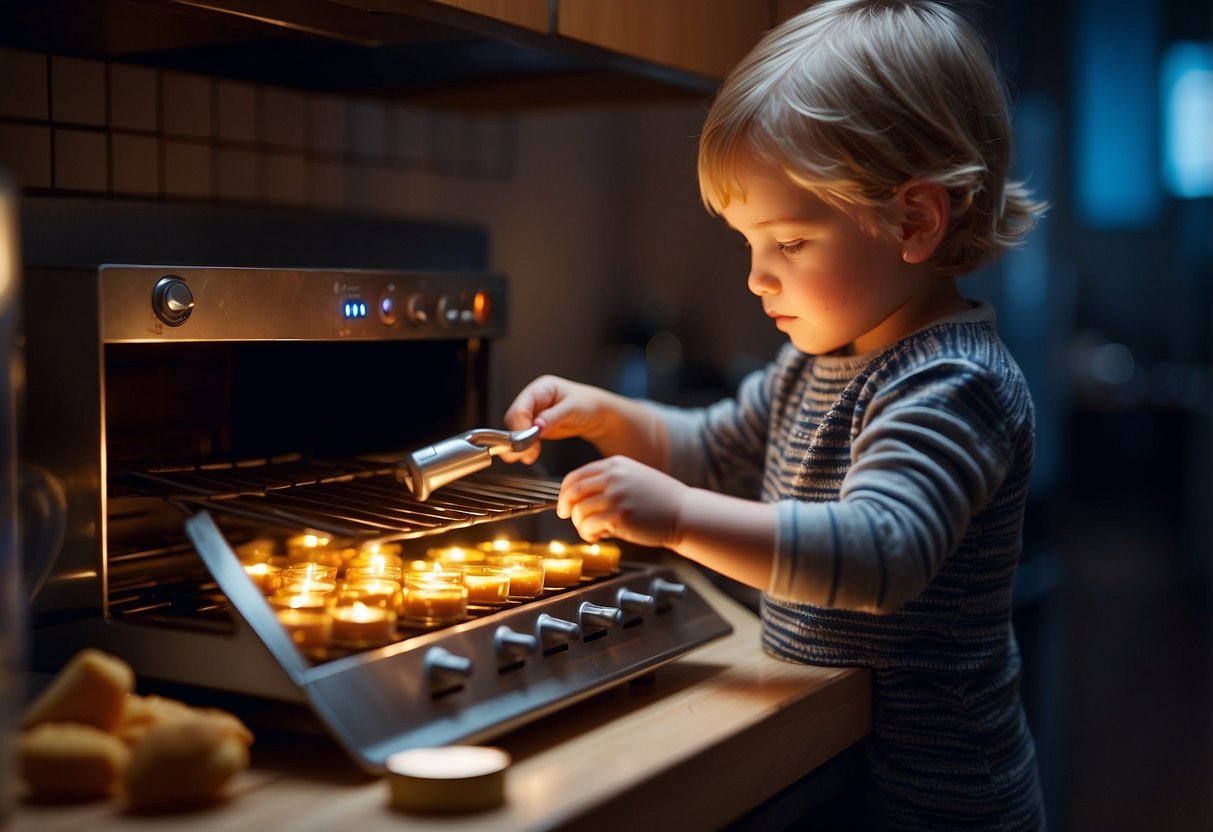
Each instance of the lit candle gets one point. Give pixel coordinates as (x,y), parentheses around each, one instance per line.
(487,585)
(267,578)
(435,598)
(503,545)
(316,548)
(452,555)
(387,572)
(362,625)
(257,550)
(310,571)
(302,595)
(561,568)
(525,571)
(599,558)
(380,592)
(379,561)
(309,629)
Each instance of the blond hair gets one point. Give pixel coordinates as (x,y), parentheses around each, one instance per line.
(853,98)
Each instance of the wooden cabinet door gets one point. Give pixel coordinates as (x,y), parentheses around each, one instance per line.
(702,36)
(530,14)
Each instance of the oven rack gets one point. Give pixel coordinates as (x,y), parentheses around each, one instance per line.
(349,498)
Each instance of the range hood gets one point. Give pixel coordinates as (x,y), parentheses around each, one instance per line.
(412,50)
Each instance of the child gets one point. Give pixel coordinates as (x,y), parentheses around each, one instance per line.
(872,479)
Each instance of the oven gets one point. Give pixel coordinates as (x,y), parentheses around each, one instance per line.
(186,415)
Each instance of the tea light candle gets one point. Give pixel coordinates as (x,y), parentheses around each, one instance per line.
(309,629)
(257,550)
(486,585)
(362,625)
(503,546)
(455,555)
(525,571)
(284,599)
(267,578)
(378,561)
(599,558)
(383,571)
(447,780)
(561,567)
(310,571)
(435,599)
(380,592)
(385,548)
(314,548)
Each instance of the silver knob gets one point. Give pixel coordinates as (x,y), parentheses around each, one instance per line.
(636,603)
(593,615)
(172,300)
(415,309)
(666,592)
(554,632)
(511,644)
(443,667)
(448,310)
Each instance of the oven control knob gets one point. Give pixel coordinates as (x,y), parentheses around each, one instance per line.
(448,311)
(593,615)
(667,592)
(415,311)
(554,632)
(511,644)
(172,300)
(444,667)
(636,603)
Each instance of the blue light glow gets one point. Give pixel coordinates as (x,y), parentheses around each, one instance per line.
(1187,90)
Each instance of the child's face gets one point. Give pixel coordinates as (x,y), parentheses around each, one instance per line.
(825,281)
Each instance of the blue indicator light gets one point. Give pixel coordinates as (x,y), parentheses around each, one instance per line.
(362,310)
(354,309)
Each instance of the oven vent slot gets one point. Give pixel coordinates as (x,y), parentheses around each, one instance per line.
(348,498)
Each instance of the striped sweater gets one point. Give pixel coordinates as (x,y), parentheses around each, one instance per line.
(900,477)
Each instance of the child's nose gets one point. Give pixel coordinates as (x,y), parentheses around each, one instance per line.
(761,282)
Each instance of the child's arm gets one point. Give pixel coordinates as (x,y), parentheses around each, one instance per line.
(613,423)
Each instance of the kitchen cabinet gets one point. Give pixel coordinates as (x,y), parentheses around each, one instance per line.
(477,53)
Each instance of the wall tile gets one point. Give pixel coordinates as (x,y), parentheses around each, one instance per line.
(25,152)
(368,128)
(284,178)
(238,174)
(237,111)
(77,91)
(186,102)
(283,117)
(187,169)
(134,97)
(24,91)
(327,184)
(135,164)
(327,123)
(81,162)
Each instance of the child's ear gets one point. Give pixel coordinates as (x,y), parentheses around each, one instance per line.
(924,209)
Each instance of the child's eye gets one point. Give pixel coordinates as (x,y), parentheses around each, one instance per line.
(790,248)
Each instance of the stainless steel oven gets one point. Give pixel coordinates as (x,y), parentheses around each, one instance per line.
(188,410)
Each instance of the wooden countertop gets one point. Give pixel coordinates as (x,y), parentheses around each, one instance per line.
(714,734)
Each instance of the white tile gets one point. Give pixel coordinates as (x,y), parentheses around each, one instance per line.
(23,94)
(77,91)
(134,97)
(186,102)
(284,178)
(328,123)
(238,174)
(25,153)
(80,161)
(237,111)
(283,117)
(187,169)
(135,163)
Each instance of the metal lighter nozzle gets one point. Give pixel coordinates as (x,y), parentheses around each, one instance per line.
(427,469)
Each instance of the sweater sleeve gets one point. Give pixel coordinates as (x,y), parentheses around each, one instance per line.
(934,448)
(722,447)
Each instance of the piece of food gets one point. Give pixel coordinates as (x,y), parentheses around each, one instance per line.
(91,688)
(181,765)
(143,713)
(70,761)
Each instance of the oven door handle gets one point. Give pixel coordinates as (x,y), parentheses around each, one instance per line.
(429,468)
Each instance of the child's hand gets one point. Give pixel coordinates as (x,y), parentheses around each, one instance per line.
(622,498)
(561,408)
